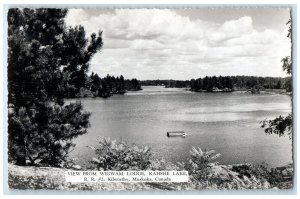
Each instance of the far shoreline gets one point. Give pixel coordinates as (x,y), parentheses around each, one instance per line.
(243,91)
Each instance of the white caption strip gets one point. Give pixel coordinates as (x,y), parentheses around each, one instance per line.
(126,176)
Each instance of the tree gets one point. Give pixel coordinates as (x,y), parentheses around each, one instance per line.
(199,84)
(95,83)
(278,85)
(279,125)
(46,59)
(282,125)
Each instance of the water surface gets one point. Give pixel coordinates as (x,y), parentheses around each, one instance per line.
(225,122)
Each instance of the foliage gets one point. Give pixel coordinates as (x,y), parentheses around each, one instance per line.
(167,83)
(200,160)
(46,60)
(162,164)
(46,144)
(200,164)
(50,178)
(281,125)
(241,177)
(70,163)
(287,62)
(223,83)
(109,85)
(279,177)
(204,172)
(119,155)
(287,65)
(212,83)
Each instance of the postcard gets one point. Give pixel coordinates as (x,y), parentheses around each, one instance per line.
(150,100)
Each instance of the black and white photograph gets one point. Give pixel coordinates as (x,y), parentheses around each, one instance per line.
(150,99)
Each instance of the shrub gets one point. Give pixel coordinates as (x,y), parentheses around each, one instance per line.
(162,164)
(119,155)
(280,177)
(200,160)
(204,171)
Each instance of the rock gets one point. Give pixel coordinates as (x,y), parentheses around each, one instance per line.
(76,167)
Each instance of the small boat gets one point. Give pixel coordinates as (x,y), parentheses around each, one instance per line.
(176,133)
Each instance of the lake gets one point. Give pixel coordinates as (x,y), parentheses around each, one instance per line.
(225,122)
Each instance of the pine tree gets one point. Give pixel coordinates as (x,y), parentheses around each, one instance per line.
(46,60)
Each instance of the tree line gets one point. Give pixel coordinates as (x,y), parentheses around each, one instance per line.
(95,86)
(230,83)
(212,83)
(226,83)
(166,83)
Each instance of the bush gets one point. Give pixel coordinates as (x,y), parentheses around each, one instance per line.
(162,164)
(204,171)
(119,155)
(280,177)
(200,160)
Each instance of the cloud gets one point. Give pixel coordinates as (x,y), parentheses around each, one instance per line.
(160,43)
(232,29)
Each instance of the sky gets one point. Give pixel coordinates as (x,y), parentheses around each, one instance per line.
(187,43)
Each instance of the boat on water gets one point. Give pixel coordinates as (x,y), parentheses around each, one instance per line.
(176,134)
